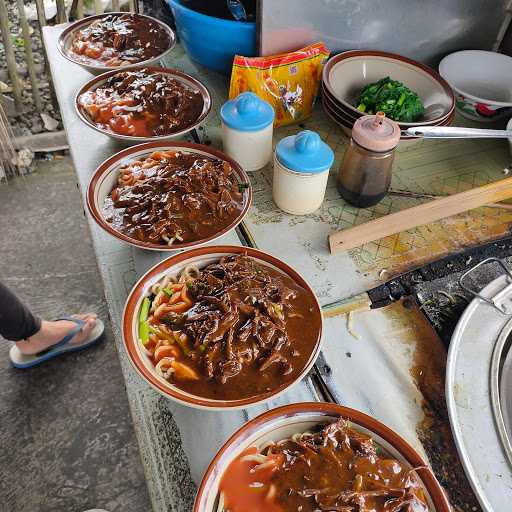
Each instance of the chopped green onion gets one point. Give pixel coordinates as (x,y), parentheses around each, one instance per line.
(168,292)
(144,310)
(144,332)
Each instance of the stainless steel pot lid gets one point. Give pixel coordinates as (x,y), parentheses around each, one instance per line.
(476,404)
(506,390)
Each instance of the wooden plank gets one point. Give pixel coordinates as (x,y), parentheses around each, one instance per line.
(45,142)
(420,215)
(28,53)
(9,55)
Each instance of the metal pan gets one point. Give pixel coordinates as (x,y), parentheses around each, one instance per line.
(471,375)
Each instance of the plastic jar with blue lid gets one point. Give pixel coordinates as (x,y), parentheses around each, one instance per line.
(247,128)
(301,170)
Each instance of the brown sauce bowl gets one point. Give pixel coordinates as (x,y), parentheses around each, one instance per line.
(67,36)
(201,257)
(98,81)
(105,178)
(282,422)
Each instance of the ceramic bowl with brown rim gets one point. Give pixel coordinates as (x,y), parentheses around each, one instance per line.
(105,179)
(281,423)
(346,74)
(187,80)
(149,24)
(200,258)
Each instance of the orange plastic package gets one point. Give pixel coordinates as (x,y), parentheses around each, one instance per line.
(289,81)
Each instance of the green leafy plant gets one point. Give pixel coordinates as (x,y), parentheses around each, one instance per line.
(391,97)
(18,41)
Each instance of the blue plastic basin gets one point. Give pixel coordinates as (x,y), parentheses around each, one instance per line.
(213,42)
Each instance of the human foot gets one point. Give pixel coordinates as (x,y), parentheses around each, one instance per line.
(52,332)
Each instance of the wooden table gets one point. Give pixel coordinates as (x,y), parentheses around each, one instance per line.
(371,359)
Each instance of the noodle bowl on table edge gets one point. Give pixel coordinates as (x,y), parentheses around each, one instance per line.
(100,80)
(201,257)
(264,427)
(112,165)
(67,36)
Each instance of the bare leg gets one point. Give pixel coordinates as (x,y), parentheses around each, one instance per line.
(52,332)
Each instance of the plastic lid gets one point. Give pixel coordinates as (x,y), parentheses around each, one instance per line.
(247,112)
(305,152)
(376,133)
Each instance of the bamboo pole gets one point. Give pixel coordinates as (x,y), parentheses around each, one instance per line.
(28,54)
(420,215)
(62,15)
(41,16)
(7,152)
(10,56)
(115,5)
(98,6)
(79,9)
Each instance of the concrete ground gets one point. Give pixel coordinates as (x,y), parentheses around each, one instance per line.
(66,436)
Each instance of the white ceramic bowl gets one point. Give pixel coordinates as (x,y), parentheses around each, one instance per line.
(174,265)
(281,423)
(66,38)
(185,79)
(346,74)
(482,82)
(105,178)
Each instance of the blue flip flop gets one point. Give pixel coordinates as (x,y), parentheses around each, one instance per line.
(20,360)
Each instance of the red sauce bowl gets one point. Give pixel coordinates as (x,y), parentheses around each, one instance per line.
(283,422)
(98,81)
(202,257)
(67,35)
(105,178)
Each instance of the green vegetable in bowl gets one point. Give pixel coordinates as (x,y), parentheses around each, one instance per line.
(391,97)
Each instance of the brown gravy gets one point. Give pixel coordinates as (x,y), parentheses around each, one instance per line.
(143,103)
(336,468)
(250,329)
(117,40)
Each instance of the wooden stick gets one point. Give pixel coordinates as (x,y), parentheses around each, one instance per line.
(30,58)
(420,195)
(79,9)
(62,15)
(133,6)
(41,15)
(98,7)
(10,56)
(420,215)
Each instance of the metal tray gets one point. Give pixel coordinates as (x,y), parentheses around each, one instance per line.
(474,371)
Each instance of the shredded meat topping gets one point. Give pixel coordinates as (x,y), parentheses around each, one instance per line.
(174,197)
(340,469)
(120,39)
(239,318)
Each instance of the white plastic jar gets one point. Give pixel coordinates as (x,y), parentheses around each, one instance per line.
(247,128)
(301,170)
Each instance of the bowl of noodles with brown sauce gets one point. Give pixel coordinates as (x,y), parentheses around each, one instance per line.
(116,40)
(222,327)
(168,197)
(143,104)
(318,457)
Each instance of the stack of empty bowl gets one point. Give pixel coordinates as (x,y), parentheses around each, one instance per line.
(346,74)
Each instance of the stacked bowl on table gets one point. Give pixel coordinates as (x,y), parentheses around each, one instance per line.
(346,74)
